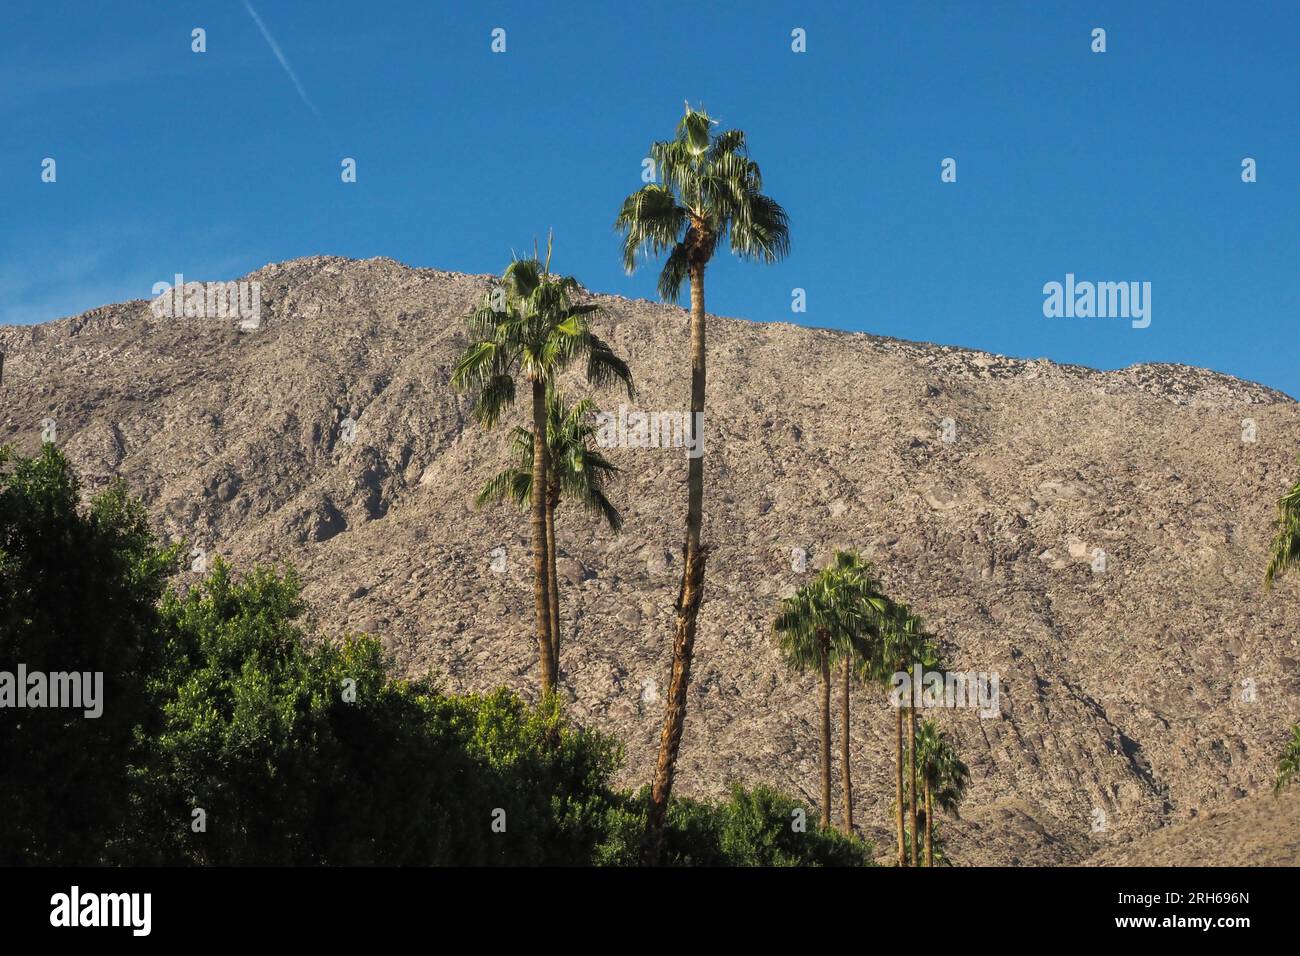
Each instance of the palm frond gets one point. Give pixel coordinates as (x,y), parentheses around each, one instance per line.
(651,221)
(1288,765)
(676,270)
(597,502)
(513,484)
(693,131)
(523,277)
(495,394)
(728,141)
(604,367)
(578,470)
(763,232)
(1284,554)
(677,167)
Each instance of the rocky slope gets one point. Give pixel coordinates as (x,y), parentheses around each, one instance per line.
(1256,831)
(1148,691)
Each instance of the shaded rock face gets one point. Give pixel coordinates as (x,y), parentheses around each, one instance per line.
(1259,830)
(1094,539)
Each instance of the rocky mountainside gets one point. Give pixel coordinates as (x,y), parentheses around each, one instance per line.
(1096,539)
(1259,830)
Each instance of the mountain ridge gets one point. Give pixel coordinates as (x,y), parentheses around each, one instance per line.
(1191,371)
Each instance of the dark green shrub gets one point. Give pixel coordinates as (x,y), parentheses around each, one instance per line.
(757,827)
(78,592)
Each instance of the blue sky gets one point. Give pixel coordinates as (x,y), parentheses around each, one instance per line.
(1122,166)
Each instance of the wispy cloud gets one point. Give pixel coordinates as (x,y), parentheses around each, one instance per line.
(103,264)
(284,61)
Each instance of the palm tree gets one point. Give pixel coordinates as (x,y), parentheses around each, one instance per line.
(711,192)
(1285,551)
(1288,765)
(856,641)
(803,628)
(890,658)
(925,658)
(1283,556)
(943,775)
(578,470)
(902,642)
(532,329)
(832,620)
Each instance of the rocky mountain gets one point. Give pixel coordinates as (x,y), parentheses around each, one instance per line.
(1095,539)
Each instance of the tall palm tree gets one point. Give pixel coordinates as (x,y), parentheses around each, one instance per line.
(803,627)
(890,658)
(902,642)
(712,192)
(578,470)
(533,329)
(833,622)
(1288,765)
(1284,555)
(1285,551)
(856,641)
(925,658)
(943,775)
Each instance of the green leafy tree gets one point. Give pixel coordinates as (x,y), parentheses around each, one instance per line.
(78,590)
(533,328)
(302,751)
(711,193)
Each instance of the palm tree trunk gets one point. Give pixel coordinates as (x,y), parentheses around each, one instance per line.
(845,768)
(911,770)
(898,784)
(929,827)
(824,696)
(692,588)
(553,580)
(541,594)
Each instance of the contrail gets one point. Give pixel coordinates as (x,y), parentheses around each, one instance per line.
(279,55)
